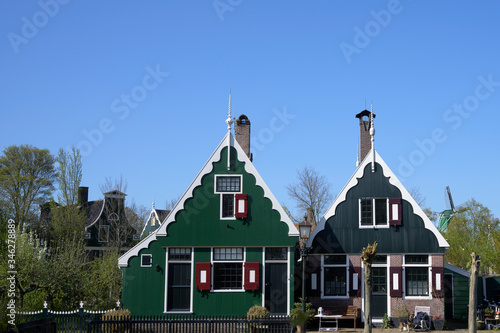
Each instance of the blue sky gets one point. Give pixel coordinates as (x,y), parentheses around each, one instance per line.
(142,89)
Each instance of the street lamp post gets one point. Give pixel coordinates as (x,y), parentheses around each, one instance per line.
(305,231)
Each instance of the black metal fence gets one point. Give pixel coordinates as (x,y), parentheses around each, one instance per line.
(198,324)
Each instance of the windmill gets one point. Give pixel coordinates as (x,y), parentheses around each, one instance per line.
(445,216)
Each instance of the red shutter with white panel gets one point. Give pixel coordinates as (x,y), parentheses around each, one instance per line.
(395,211)
(241,206)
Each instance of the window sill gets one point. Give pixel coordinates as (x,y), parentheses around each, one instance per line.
(428,298)
(228,291)
(335,297)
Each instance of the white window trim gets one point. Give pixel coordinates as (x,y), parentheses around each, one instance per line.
(346,266)
(429,277)
(166,283)
(99,234)
(213,262)
(373,226)
(222,193)
(147,255)
(119,229)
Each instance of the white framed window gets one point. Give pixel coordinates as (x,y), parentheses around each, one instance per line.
(227,268)
(227,186)
(335,276)
(104,233)
(121,234)
(373,212)
(417,276)
(146,260)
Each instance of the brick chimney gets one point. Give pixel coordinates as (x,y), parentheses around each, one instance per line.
(242,133)
(83,195)
(364,133)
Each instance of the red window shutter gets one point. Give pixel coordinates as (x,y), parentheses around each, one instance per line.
(437,281)
(394,211)
(241,206)
(203,275)
(396,281)
(252,276)
(355,283)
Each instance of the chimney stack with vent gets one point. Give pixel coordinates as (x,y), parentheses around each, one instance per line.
(242,133)
(83,195)
(364,133)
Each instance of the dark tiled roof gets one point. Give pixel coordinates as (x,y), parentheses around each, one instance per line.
(94,209)
(162,214)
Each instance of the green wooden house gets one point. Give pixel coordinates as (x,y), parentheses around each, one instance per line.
(226,245)
(373,207)
(155,219)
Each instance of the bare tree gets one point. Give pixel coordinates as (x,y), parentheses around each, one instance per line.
(312,191)
(114,185)
(170,203)
(367,255)
(417,196)
(420,200)
(137,215)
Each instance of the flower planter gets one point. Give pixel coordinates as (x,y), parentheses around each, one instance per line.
(438,324)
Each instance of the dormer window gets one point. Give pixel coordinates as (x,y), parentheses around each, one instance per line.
(227,186)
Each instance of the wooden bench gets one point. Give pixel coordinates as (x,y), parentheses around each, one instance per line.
(349,312)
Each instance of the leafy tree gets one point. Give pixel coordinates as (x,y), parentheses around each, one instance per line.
(312,191)
(474,229)
(30,263)
(68,272)
(68,218)
(104,288)
(26,180)
(69,171)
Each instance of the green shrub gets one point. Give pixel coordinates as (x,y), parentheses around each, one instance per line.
(122,314)
(298,317)
(256,311)
(386,322)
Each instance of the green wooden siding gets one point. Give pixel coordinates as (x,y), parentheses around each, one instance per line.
(199,225)
(460,294)
(343,235)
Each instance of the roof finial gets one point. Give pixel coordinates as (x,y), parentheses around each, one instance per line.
(229,121)
(153,202)
(372,135)
(357,159)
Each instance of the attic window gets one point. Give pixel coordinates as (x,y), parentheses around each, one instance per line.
(373,212)
(227,186)
(146,260)
(228,183)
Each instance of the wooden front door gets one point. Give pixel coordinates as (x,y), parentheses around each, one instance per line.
(179,287)
(276,281)
(379,292)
